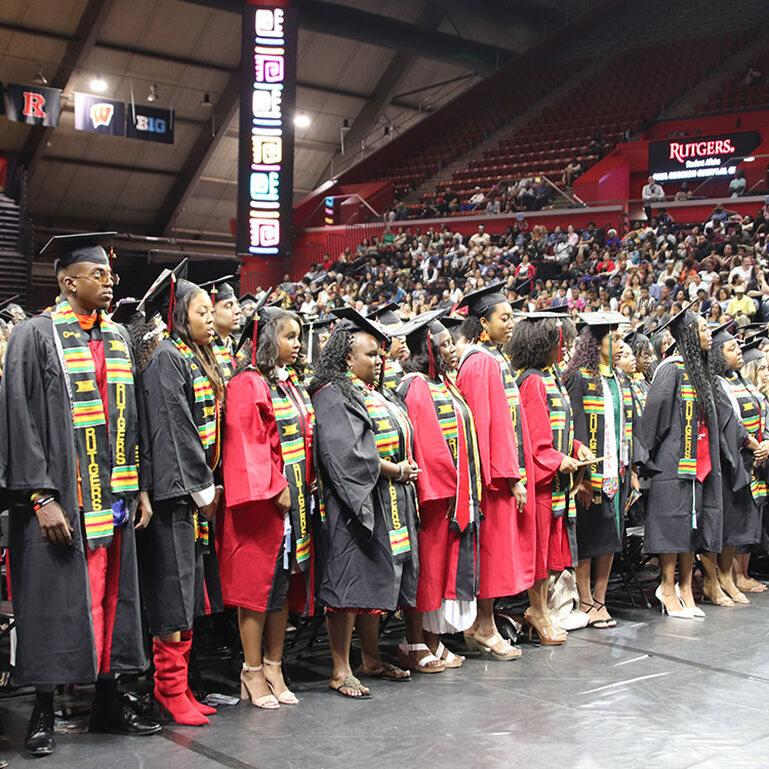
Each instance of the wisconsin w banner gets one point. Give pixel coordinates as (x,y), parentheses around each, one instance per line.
(33,104)
(99,115)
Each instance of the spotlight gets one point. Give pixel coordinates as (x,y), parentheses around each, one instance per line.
(302,121)
(99,84)
(206,101)
(40,78)
(153,94)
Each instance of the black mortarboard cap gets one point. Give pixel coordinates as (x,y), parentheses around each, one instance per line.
(248,330)
(679,322)
(385,314)
(125,311)
(220,289)
(452,321)
(247,298)
(751,351)
(600,323)
(721,334)
(480,301)
(517,304)
(351,320)
(432,320)
(82,247)
(158,297)
(634,336)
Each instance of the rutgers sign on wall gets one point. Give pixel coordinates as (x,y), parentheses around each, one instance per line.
(33,104)
(700,157)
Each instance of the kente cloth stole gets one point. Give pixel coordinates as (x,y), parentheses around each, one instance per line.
(513,400)
(687,462)
(593,405)
(640,388)
(750,412)
(392,435)
(294,416)
(392,375)
(206,411)
(562,427)
(223,358)
(107,453)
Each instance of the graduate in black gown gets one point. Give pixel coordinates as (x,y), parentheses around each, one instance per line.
(604,421)
(365,467)
(74,480)
(742,448)
(680,427)
(183,388)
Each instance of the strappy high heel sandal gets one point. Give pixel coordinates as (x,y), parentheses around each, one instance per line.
(286,697)
(508,653)
(548,635)
(265,702)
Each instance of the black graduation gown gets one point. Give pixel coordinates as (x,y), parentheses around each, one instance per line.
(742,516)
(358,569)
(600,529)
(50,585)
(170,558)
(669,510)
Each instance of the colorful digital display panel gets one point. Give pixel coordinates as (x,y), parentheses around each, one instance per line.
(266,149)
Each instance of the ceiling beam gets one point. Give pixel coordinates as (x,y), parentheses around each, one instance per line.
(78,48)
(201,151)
(106,166)
(387,32)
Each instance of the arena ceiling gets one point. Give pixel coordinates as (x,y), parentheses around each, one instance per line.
(375,63)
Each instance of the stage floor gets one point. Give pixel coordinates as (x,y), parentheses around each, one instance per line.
(655,692)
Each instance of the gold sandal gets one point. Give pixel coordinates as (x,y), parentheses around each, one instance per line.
(265,702)
(286,697)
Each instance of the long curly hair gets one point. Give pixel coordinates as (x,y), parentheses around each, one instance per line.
(267,347)
(532,342)
(587,354)
(696,363)
(331,367)
(419,359)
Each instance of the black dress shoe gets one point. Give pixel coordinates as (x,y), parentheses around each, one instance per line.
(39,740)
(121,718)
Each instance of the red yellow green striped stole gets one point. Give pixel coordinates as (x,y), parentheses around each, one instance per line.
(225,360)
(206,410)
(562,427)
(392,435)
(513,400)
(750,412)
(294,416)
(687,462)
(106,444)
(593,405)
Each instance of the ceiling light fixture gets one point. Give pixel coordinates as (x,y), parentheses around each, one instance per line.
(153,94)
(99,84)
(40,78)
(206,101)
(302,121)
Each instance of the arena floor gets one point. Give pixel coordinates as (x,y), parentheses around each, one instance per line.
(654,692)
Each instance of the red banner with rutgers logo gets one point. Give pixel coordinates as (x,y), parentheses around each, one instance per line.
(33,104)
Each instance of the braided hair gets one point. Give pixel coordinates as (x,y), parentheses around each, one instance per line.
(331,367)
(696,365)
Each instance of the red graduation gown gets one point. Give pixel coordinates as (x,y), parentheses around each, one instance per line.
(446,556)
(250,531)
(507,537)
(553,552)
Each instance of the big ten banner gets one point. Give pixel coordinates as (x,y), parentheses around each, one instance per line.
(99,115)
(700,157)
(266,150)
(151,124)
(33,104)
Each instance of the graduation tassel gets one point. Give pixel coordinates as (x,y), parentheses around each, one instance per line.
(380,384)
(170,319)
(253,340)
(111,269)
(560,342)
(430,356)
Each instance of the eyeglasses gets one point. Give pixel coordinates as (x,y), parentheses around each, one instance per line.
(100,276)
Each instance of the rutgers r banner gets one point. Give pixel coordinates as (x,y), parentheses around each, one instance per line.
(34,105)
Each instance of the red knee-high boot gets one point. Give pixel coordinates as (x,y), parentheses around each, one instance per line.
(171,682)
(206,710)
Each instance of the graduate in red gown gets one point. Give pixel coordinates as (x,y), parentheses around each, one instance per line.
(537,346)
(264,533)
(508,527)
(449,491)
